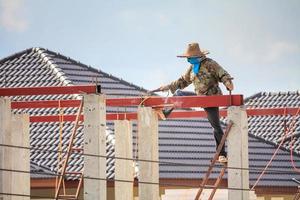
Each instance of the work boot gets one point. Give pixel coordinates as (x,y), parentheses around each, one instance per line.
(167,112)
(223,159)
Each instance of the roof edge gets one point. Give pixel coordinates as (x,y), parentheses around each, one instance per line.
(98,71)
(55,69)
(273,144)
(16,55)
(258,94)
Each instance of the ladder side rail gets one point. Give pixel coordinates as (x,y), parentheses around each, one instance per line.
(204,181)
(68,151)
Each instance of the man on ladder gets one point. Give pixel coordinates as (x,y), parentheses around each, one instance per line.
(205,74)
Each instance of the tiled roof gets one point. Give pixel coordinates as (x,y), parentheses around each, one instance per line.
(271,128)
(187,141)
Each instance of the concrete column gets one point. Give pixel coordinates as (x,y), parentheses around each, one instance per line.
(148,150)
(94,143)
(123,168)
(21,157)
(237,143)
(5,152)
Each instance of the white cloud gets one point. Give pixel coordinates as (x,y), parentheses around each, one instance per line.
(12,15)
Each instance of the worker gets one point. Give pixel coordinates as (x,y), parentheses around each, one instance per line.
(205,74)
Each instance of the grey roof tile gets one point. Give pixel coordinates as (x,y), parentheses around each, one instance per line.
(271,128)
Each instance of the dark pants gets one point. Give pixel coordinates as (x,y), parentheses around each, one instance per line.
(213,118)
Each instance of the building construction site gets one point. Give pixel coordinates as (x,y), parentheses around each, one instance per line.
(70,131)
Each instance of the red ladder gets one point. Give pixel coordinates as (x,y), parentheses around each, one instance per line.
(211,166)
(62,171)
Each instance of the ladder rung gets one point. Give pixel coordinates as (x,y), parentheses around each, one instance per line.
(67,196)
(77,149)
(208,186)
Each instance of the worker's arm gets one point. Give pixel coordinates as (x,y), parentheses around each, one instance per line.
(182,82)
(223,76)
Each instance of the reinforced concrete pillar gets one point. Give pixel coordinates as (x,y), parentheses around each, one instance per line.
(148,150)
(237,144)
(123,168)
(20,157)
(95,144)
(5,152)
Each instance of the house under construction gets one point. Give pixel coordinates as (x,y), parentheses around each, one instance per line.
(65,137)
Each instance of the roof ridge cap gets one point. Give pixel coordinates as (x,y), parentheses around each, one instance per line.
(98,70)
(258,94)
(56,70)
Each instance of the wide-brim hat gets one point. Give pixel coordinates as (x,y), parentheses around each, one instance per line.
(194,50)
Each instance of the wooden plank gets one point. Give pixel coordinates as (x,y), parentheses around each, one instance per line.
(123,168)
(237,145)
(94,143)
(21,157)
(148,150)
(5,152)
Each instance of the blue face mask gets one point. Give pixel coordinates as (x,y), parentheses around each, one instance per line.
(196,62)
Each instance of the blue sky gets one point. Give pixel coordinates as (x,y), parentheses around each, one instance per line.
(256,41)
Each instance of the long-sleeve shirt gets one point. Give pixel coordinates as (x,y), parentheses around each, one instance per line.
(206,81)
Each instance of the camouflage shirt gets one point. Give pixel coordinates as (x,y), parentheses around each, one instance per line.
(206,81)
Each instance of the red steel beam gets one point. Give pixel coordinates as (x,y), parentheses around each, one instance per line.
(70,118)
(180,102)
(76,89)
(271,111)
(173,115)
(250,112)
(54,118)
(45,104)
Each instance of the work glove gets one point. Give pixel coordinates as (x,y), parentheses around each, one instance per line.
(229,85)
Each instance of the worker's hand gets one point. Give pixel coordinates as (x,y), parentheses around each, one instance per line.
(164,88)
(229,85)
(161,89)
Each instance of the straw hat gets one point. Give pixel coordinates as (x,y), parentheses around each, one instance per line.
(193,50)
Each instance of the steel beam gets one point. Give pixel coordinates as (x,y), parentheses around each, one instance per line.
(76,89)
(180,102)
(173,115)
(44,104)
(271,111)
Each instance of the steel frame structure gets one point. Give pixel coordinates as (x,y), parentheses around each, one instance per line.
(154,101)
